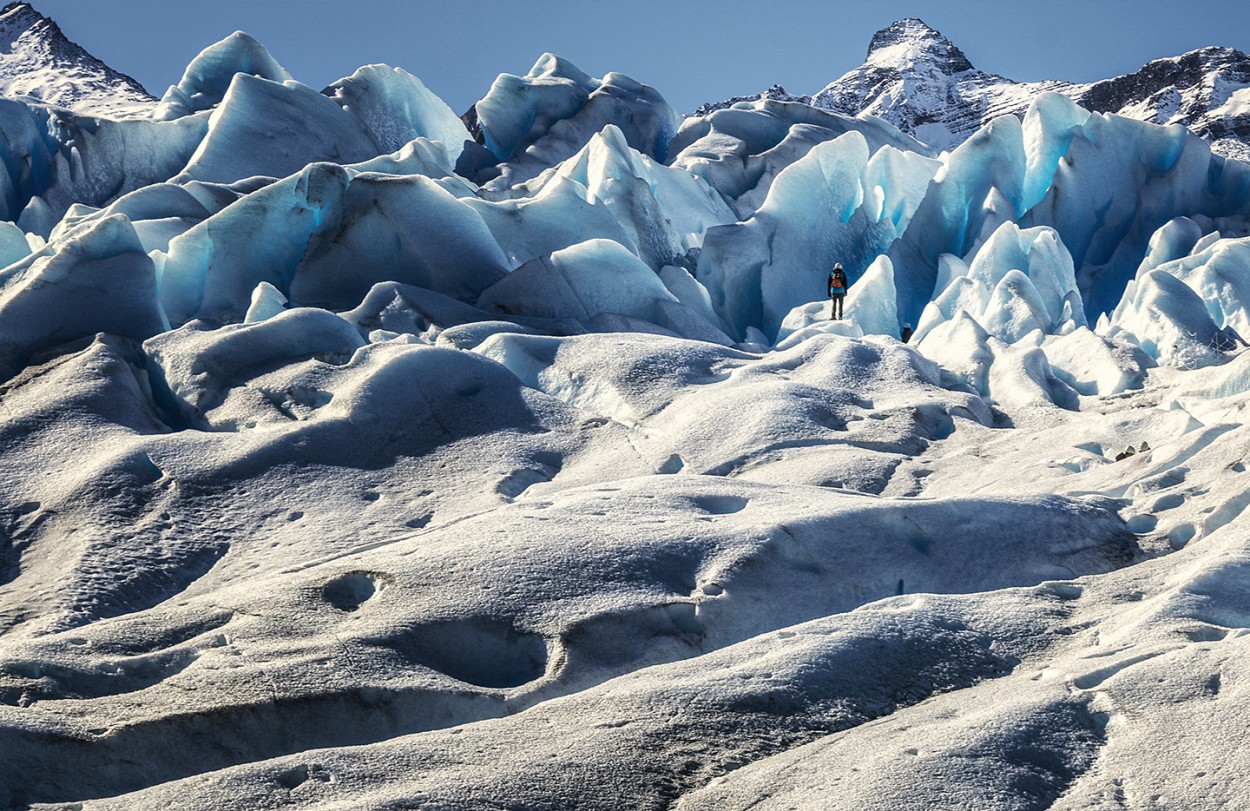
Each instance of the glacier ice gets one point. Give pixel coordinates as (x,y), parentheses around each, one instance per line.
(53,159)
(394,107)
(267,301)
(200,365)
(401,309)
(206,80)
(553,90)
(1217,272)
(1092,365)
(299,233)
(1016,376)
(809,320)
(102,281)
(271,129)
(308,431)
(1167,319)
(1053,170)
(872,303)
(740,150)
(13,244)
(660,213)
(1175,240)
(756,271)
(426,237)
(533,122)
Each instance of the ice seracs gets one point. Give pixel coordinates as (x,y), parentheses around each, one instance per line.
(394,108)
(740,150)
(205,81)
(1017,282)
(532,122)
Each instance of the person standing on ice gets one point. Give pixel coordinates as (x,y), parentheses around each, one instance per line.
(837,291)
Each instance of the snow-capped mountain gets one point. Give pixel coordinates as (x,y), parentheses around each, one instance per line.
(37,60)
(919,81)
(922,83)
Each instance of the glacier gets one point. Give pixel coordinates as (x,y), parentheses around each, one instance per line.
(359,454)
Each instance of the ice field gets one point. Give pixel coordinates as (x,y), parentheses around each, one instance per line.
(356,457)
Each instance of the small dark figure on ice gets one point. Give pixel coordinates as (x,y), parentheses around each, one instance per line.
(837,291)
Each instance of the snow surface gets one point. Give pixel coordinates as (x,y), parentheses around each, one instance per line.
(350,461)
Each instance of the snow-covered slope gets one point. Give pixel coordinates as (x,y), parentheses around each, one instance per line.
(37,60)
(330,478)
(922,83)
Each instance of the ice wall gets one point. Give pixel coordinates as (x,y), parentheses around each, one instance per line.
(259,194)
(1103,183)
(324,236)
(660,213)
(235,114)
(819,210)
(53,158)
(271,129)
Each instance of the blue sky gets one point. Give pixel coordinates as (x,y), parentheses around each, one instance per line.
(691,50)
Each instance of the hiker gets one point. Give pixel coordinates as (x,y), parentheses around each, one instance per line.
(906,336)
(837,291)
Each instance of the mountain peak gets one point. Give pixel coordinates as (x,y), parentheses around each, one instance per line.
(38,61)
(903,43)
(21,9)
(16,19)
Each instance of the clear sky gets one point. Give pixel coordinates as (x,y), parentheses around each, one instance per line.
(692,51)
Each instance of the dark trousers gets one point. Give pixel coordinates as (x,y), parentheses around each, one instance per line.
(835,305)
